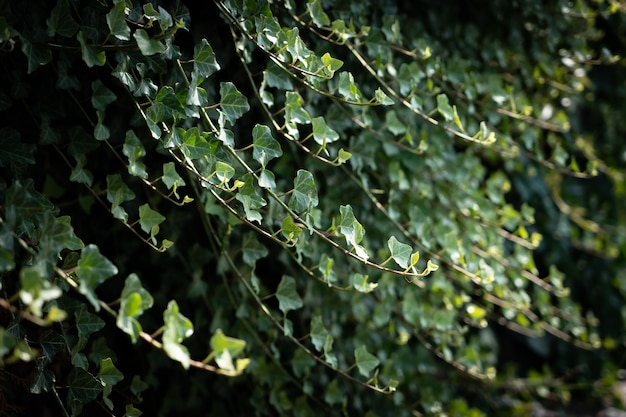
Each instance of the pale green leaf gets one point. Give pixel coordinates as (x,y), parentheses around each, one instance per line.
(400,252)
(204,59)
(322,133)
(177,328)
(149,218)
(232,102)
(265,147)
(304,195)
(93,270)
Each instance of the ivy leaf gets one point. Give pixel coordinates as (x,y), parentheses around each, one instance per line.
(400,252)
(101,96)
(252,249)
(79,173)
(149,220)
(44,378)
(318,332)
(52,342)
(347,87)
(383,98)
(250,199)
(290,230)
(92,55)
(267,180)
(117,193)
(146,45)
(326,268)
(331,65)
(87,323)
(322,133)
(304,196)
(204,59)
(365,361)
(177,328)
(224,172)
(444,108)
(288,298)
(61,21)
(265,146)
(82,389)
(134,301)
(233,103)
(195,145)
(13,153)
(361,284)
(134,150)
(394,124)
(37,54)
(171,179)
(220,342)
(109,374)
(116,20)
(352,230)
(317,13)
(93,270)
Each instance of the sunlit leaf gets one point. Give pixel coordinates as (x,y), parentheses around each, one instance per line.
(93,270)
(177,328)
(365,361)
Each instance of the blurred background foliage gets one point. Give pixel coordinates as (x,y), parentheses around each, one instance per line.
(277,168)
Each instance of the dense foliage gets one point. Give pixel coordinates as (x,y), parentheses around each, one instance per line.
(293,208)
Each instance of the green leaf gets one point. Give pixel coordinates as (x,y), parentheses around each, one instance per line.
(134,301)
(13,153)
(326,268)
(204,59)
(61,21)
(109,374)
(132,411)
(347,87)
(444,108)
(52,342)
(79,173)
(171,179)
(400,252)
(82,389)
(149,219)
(318,334)
(352,230)
(322,133)
(267,179)
(232,103)
(331,65)
(43,379)
(87,323)
(250,199)
(290,230)
(93,270)
(100,130)
(146,45)
(37,54)
(383,98)
(288,298)
(317,13)
(220,342)
(195,146)
(394,124)
(177,328)
(101,96)
(117,193)
(343,156)
(365,361)
(116,19)
(134,150)
(361,283)
(92,55)
(252,249)
(304,196)
(223,172)
(265,147)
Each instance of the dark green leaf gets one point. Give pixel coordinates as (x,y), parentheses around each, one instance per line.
(92,55)
(61,21)
(288,298)
(13,153)
(149,219)
(252,249)
(82,389)
(250,199)
(317,13)
(232,103)
(101,96)
(134,150)
(109,374)
(146,45)
(117,193)
(87,323)
(204,59)
(93,269)
(365,361)
(116,19)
